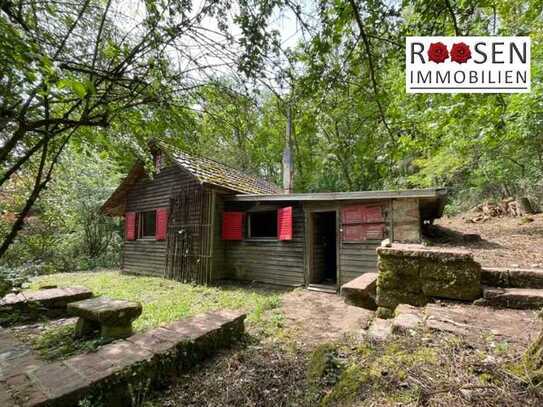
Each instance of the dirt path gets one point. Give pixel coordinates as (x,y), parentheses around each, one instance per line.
(506,242)
(485,324)
(314,317)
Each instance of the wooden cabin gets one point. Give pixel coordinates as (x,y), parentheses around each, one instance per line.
(198,220)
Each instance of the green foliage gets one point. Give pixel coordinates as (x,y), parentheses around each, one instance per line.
(324,365)
(480,146)
(355,128)
(66,231)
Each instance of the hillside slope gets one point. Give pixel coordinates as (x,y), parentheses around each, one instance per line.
(505,241)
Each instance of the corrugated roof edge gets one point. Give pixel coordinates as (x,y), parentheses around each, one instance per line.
(344,196)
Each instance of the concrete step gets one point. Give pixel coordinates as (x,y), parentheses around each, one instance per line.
(323,288)
(518,298)
(512,277)
(361,291)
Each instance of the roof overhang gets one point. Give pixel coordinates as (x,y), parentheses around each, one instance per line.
(432,200)
(116,203)
(431,193)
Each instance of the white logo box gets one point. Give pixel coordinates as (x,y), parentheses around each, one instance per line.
(497,65)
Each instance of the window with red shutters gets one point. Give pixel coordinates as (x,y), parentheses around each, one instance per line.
(232,226)
(130,225)
(161,223)
(262,224)
(146,222)
(363,222)
(284,223)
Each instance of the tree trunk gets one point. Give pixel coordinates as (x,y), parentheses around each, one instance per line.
(526,206)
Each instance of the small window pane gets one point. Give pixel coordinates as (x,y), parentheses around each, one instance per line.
(148,224)
(263,224)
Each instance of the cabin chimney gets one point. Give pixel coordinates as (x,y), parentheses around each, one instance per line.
(287,155)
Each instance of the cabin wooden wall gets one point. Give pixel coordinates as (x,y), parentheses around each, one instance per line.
(278,262)
(218,271)
(354,258)
(147,256)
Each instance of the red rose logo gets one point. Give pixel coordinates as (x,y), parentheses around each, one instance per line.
(460,53)
(438,52)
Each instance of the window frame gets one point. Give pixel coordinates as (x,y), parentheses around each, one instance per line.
(261,238)
(141,226)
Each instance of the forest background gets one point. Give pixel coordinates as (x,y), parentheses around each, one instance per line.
(86,84)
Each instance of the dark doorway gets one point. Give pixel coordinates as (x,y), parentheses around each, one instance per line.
(324,249)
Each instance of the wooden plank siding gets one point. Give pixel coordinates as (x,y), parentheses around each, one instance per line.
(147,256)
(279,262)
(219,271)
(354,258)
(272,261)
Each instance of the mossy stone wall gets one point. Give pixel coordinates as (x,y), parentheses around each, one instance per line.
(412,275)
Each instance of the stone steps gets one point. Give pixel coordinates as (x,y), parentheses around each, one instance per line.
(517,298)
(511,278)
(361,291)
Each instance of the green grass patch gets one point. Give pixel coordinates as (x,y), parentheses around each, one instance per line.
(59,343)
(165,300)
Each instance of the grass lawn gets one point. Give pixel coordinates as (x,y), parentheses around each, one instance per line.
(163,301)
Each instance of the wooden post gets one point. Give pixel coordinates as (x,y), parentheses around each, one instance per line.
(287,155)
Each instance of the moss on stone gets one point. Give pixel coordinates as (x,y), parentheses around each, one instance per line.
(413,276)
(384,313)
(376,369)
(348,385)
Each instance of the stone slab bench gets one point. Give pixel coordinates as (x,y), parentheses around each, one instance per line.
(112,317)
(51,300)
(148,359)
(361,291)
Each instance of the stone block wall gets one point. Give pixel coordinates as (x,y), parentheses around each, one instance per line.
(406,227)
(412,274)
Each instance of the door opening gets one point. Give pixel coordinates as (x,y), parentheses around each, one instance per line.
(323,266)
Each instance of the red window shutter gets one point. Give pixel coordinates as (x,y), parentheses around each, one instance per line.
(352,214)
(232,226)
(362,222)
(353,232)
(373,214)
(130,226)
(284,223)
(161,223)
(375,231)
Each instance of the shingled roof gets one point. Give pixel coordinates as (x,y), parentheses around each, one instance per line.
(215,173)
(206,171)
